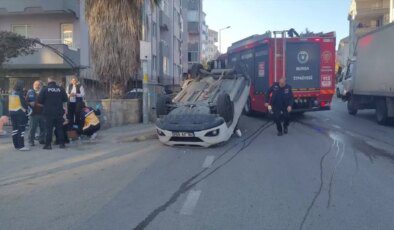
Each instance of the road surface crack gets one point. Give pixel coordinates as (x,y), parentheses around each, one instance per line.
(191,182)
(320,187)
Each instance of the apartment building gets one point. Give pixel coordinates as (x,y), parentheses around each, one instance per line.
(366,16)
(60,25)
(194,18)
(343,52)
(210,51)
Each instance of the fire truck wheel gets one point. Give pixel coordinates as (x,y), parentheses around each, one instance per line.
(162,105)
(381,112)
(350,107)
(225,107)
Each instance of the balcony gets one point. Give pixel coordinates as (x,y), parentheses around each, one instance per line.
(46,58)
(193,27)
(12,7)
(193,47)
(371,9)
(165,22)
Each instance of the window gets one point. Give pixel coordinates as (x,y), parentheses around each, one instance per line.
(349,71)
(154,60)
(67,34)
(154,30)
(192,16)
(24,30)
(166,69)
(192,57)
(164,7)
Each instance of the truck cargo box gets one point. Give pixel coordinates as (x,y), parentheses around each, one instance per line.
(374,66)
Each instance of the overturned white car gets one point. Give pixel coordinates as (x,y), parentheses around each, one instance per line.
(206,111)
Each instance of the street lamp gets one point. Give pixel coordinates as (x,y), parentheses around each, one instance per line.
(220,38)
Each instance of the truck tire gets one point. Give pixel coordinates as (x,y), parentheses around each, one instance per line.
(248,108)
(225,107)
(350,106)
(163,101)
(381,112)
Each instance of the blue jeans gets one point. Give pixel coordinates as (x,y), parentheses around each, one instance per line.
(35,122)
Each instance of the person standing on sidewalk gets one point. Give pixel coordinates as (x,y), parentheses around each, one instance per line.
(17,107)
(76,93)
(280,98)
(54,99)
(36,117)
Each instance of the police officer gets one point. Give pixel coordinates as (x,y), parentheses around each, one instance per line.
(18,107)
(54,99)
(36,118)
(280,99)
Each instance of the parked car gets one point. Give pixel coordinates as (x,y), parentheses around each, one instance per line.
(206,111)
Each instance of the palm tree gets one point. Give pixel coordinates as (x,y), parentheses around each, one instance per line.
(114,34)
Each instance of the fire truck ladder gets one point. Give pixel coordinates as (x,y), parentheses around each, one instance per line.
(279,35)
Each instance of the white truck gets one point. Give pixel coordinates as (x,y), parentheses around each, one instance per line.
(369,81)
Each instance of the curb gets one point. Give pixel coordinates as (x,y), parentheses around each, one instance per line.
(143,135)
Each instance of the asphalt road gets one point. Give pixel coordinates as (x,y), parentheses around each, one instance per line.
(332,171)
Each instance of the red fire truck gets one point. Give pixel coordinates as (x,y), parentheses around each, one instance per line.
(307,63)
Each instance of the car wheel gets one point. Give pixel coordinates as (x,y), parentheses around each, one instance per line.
(225,107)
(381,112)
(162,105)
(350,107)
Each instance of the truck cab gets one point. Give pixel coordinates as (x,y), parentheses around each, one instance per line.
(347,81)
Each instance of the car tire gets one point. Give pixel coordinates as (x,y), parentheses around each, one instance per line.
(248,108)
(225,107)
(163,101)
(381,112)
(350,107)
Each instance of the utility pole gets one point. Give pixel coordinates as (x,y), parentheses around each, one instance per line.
(391,11)
(145,56)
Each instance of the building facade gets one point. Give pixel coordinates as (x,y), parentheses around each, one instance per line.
(366,16)
(59,24)
(194,18)
(162,28)
(343,52)
(211,51)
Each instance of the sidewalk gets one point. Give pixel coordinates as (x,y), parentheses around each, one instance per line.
(111,143)
(127,133)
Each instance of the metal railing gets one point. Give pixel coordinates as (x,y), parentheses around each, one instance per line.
(56,42)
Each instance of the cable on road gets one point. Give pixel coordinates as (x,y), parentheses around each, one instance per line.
(187,185)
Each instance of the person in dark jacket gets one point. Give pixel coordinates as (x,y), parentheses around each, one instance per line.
(89,123)
(280,99)
(36,118)
(54,99)
(17,107)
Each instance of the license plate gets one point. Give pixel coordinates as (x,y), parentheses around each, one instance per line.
(182,134)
